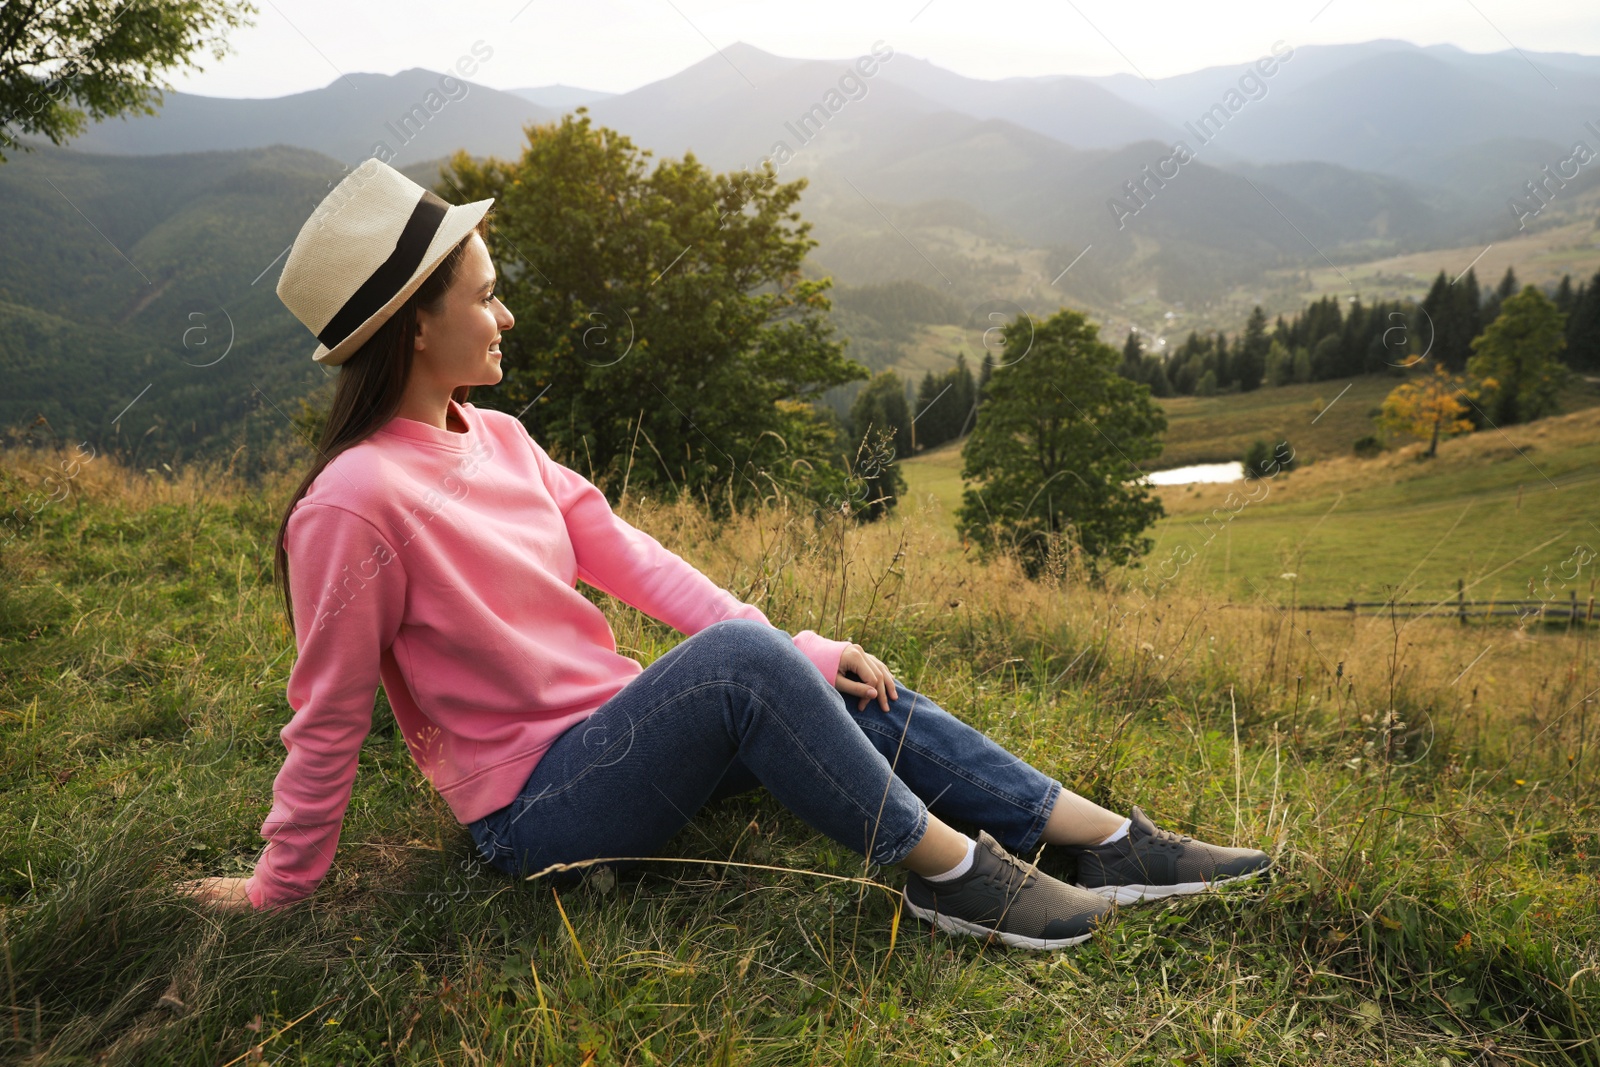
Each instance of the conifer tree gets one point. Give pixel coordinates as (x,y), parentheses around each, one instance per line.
(1250,360)
(1583,327)
(1502,292)
(1132,367)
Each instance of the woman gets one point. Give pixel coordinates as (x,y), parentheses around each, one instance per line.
(434,548)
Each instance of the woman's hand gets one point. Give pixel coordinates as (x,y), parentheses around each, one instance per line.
(220,894)
(868,678)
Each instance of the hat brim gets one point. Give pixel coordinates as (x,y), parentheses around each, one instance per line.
(459,221)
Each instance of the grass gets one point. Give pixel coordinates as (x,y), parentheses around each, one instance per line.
(1320,419)
(1506,512)
(1432,813)
(1509,514)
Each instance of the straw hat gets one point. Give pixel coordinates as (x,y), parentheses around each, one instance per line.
(363,252)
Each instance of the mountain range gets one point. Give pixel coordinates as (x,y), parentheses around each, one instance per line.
(1039,191)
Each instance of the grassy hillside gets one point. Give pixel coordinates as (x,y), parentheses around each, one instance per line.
(1498,510)
(1504,513)
(1435,901)
(121,273)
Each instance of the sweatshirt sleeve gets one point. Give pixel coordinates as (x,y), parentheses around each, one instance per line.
(348,588)
(624,561)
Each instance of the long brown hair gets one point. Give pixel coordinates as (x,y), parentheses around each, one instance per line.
(372,382)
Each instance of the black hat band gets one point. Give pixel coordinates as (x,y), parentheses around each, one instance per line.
(392,275)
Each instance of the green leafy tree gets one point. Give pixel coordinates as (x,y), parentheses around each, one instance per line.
(1280,364)
(1056,449)
(663,326)
(1262,460)
(62,64)
(1520,350)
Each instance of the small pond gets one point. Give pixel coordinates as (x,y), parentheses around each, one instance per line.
(1199,472)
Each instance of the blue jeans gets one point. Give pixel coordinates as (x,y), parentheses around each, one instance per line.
(738,705)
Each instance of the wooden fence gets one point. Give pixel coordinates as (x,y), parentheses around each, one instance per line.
(1570,610)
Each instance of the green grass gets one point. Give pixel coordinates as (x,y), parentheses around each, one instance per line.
(1510,514)
(1319,419)
(1436,897)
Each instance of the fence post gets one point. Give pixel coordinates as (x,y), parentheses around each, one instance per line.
(1573,617)
(1461,603)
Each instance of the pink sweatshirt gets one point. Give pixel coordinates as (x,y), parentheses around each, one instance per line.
(444,566)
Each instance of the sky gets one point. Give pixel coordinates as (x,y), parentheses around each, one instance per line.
(618,45)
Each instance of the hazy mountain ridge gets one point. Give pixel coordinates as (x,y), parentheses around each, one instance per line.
(978,190)
(174,291)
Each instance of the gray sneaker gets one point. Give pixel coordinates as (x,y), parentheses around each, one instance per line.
(1004,897)
(1148,863)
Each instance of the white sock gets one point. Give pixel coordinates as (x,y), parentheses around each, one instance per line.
(959,869)
(1119,833)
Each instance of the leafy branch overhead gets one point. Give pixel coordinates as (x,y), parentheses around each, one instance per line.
(62,64)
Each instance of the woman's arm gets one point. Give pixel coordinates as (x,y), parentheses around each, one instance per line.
(634,567)
(348,588)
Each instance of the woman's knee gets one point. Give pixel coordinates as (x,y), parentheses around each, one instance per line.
(755,646)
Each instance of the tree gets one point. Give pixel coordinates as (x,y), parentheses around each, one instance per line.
(1301,364)
(1250,355)
(1430,406)
(1519,350)
(881,406)
(1469,315)
(1056,449)
(1224,372)
(1280,364)
(1262,460)
(1565,297)
(1502,292)
(1583,327)
(62,64)
(1153,373)
(1325,358)
(664,333)
(880,423)
(1133,357)
(1451,320)
(945,403)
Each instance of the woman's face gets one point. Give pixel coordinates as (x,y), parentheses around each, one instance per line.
(460,343)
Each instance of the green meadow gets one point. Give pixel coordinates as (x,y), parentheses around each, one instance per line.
(1429,801)
(1508,513)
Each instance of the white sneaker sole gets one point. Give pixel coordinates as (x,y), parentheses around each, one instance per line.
(1132,894)
(954,925)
